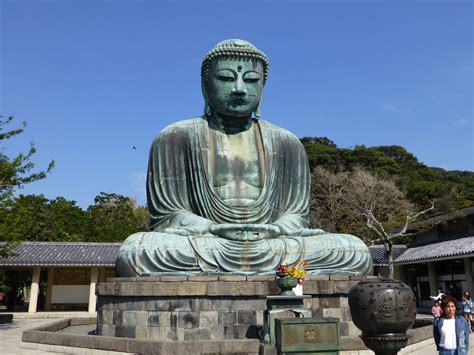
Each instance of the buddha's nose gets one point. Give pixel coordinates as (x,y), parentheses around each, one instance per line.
(239,87)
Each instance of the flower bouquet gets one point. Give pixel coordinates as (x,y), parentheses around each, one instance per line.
(290,276)
(297,270)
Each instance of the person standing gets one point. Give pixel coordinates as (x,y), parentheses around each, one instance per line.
(436,310)
(467,307)
(451,332)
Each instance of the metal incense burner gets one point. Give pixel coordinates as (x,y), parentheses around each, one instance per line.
(384,309)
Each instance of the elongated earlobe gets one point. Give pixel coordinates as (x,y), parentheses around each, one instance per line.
(257,111)
(207,108)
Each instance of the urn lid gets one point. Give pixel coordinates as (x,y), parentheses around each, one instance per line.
(385,281)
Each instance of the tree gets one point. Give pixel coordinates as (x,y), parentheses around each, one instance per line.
(318,140)
(338,201)
(15,172)
(35,218)
(386,236)
(114,217)
(363,204)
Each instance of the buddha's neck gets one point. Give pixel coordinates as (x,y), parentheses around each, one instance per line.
(228,124)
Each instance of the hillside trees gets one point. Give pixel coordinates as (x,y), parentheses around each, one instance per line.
(448,190)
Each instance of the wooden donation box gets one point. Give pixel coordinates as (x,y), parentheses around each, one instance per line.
(307,336)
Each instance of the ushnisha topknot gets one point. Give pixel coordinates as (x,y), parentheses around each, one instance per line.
(234,47)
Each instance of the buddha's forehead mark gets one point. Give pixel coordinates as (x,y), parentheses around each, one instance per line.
(238,64)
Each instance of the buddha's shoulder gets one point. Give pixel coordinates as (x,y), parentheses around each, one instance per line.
(184,125)
(177,129)
(277,130)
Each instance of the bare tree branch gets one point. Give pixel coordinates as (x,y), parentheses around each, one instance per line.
(410,218)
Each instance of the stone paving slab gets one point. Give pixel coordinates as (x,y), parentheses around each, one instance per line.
(10,342)
(10,335)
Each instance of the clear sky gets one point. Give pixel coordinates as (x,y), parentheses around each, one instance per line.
(95,78)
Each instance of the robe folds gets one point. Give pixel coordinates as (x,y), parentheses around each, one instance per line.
(183,205)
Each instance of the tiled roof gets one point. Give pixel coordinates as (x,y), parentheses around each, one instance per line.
(62,254)
(379,256)
(104,254)
(438,251)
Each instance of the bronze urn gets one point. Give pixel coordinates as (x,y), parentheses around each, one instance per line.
(286,284)
(384,309)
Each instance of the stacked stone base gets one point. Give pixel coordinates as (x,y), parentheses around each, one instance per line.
(188,308)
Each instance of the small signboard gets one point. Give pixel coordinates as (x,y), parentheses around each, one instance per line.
(307,335)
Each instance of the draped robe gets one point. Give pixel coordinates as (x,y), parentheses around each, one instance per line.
(183,204)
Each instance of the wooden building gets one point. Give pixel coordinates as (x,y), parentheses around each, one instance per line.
(64,274)
(441,255)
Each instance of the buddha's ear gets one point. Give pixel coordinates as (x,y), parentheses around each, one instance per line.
(257,111)
(207,108)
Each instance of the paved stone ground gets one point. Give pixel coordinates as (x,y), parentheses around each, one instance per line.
(10,335)
(10,339)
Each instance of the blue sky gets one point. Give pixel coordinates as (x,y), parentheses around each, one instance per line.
(95,78)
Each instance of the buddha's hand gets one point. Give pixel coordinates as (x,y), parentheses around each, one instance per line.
(245,232)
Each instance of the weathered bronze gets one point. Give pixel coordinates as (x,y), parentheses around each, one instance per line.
(229,192)
(384,309)
(307,336)
(282,306)
(286,285)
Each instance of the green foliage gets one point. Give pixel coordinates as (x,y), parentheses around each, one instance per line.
(448,190)
(15,278)
(35,218)
(16,171)
(113,217)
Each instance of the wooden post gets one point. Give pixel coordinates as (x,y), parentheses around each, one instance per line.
(468,273)
(92,296)
(102,274)
(49,289)
(34,289)
(432,278)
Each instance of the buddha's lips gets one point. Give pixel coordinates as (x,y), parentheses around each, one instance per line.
(237,102)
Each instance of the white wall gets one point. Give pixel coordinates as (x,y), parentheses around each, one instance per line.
(70,294)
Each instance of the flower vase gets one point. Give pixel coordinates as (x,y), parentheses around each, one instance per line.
(286,284)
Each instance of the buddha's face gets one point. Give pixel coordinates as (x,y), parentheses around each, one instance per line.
(234,86)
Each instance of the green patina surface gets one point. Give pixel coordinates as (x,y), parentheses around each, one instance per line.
(228,191)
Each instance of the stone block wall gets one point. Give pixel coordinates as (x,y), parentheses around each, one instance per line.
(208,307)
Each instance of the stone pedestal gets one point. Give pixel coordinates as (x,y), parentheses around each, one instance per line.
(282,307)
(208,307)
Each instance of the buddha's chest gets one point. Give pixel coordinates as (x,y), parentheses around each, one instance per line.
(236,166)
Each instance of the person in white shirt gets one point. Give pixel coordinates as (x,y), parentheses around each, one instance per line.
(451,332)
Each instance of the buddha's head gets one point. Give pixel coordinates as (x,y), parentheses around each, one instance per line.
(233,74)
